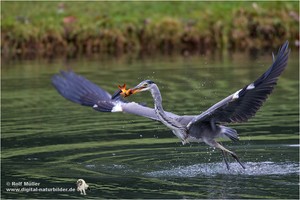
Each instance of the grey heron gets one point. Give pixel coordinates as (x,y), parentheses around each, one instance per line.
(205,127)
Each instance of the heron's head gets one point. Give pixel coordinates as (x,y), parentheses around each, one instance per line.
(141,87)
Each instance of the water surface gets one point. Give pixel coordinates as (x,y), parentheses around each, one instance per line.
(53,142)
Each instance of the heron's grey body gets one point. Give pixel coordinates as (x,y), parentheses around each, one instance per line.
(207,127)
(179,124)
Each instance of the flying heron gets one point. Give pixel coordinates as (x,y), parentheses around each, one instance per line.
(206,127)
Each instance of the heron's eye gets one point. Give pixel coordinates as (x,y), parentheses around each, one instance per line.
(145,85)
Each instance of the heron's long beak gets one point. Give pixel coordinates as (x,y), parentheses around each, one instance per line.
(127,92)
(136,89)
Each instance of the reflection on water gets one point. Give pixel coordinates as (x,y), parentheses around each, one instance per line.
(49,140)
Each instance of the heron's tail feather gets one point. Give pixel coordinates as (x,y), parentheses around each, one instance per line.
(80,90)
(229,133)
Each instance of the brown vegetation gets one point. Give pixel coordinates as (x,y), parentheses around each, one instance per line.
(247,30)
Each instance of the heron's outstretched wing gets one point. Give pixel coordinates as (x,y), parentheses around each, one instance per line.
(244,103)
(82,91)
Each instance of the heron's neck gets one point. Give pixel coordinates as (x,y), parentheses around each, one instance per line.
(157,101)
(171,123)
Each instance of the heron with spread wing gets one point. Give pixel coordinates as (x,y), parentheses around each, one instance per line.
(206,127)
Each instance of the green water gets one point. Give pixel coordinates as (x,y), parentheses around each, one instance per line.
(54,142)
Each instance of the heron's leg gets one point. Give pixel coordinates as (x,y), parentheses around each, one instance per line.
(224,154)
(238,160)
(225,159)
(219,146)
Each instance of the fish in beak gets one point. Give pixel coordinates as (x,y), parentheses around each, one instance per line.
(143,86)
(127,92)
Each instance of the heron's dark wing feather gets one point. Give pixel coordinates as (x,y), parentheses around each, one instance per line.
(243,104)
(82,91)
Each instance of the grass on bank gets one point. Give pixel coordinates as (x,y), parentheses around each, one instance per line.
(109,26)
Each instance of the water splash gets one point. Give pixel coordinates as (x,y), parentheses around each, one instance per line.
(213,169)
(293,145)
